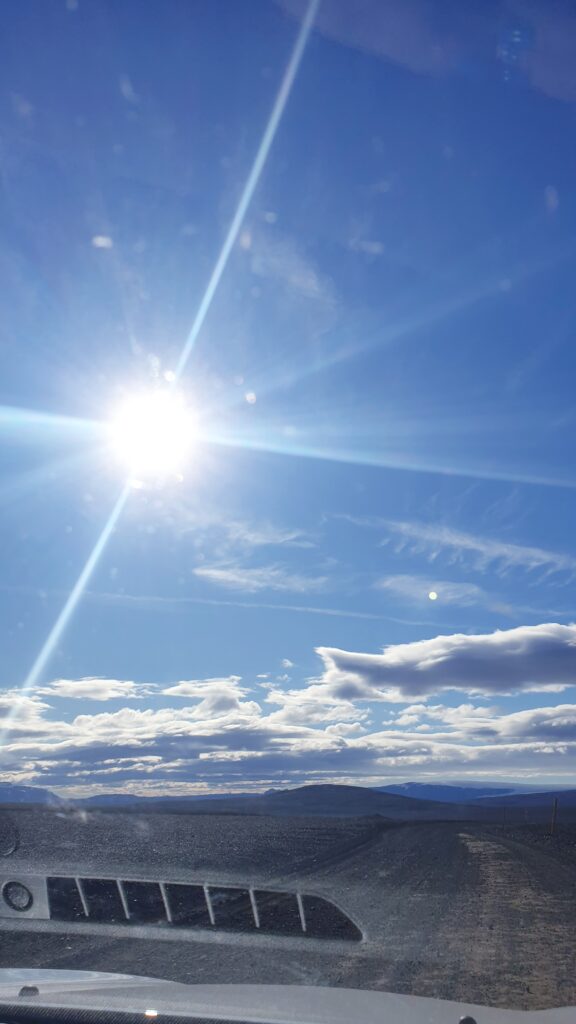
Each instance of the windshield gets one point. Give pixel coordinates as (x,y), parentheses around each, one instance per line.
(287,493)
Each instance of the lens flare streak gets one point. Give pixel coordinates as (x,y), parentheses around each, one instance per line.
(14,418)
(266,441)
(67,611)
(251,183)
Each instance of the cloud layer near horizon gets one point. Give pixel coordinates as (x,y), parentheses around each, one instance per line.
(367,718)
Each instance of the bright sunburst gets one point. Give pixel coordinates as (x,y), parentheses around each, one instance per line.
(152,434)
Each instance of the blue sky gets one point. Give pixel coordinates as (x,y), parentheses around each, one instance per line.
(382,388)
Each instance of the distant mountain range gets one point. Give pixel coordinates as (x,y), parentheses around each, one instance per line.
(327,801)
(408,801)
(124,799)
(455,793)
(11,794)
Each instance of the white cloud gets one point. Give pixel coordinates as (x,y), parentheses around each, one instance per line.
(463,716)
(252,580)
(217,735)
(216,695)
(469,723)
(102,242)
(542,724)
(217,698)
(306,739)
(93,688)
(533,658)
(346,729)
(304,708)
(286,663)
(457,545)
(23,710)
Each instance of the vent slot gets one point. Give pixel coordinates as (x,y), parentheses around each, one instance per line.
(232,909)
(187,905)
(103,900)
(144,902)
(325,921)
(114,901)
(64,900)
(278,912)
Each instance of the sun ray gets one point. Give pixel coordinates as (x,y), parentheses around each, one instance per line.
(251,182)
(66,613)
(353,340)
(304,449)
(13,418)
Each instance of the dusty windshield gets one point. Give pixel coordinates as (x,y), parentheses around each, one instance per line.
(287,493)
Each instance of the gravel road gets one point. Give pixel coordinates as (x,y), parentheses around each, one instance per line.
(449,910)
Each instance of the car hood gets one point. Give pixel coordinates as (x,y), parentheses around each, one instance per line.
(277,1004)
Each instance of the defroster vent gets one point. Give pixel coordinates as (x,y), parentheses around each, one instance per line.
(173,904)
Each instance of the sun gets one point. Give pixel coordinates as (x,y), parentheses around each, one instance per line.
(152,434)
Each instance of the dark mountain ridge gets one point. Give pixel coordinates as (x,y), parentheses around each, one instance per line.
(326,800)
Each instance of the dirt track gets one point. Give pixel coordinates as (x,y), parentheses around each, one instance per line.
(465,913)
(453,911)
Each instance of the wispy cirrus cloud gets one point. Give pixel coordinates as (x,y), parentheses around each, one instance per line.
(484,552)
(212,528)
(254,580)
(266,534)
(458,546)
